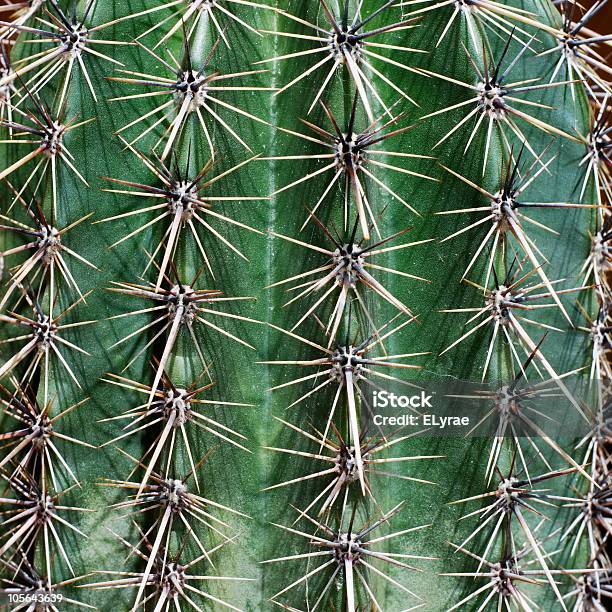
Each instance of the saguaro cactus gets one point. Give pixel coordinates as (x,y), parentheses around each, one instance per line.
(226,226)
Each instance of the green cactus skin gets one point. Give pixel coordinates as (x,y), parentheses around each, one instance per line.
(232,476)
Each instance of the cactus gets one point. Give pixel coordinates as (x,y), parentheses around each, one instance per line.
(226,224)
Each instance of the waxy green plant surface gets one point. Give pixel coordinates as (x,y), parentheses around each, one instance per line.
(234,474)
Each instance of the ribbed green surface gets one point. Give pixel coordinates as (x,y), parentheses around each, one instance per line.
(232,476)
